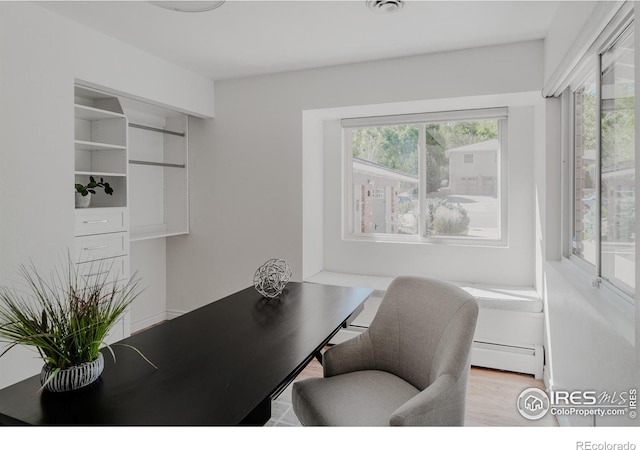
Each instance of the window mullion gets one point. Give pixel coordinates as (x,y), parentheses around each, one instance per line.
(422,176)
(502,188)
(347,182)
(569,116)
(598,164)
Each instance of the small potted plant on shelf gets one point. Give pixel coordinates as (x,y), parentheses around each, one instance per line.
(66,317)
(83,192)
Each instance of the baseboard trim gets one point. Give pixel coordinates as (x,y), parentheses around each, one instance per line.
(173,313)
(548,382)
(147,322)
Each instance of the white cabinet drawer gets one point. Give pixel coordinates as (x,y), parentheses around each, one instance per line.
(108,270)
(100,220)
(101,246)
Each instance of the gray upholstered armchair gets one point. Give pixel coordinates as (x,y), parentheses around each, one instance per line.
(411,366)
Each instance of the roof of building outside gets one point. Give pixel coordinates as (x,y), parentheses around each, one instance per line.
(373,169)
(485,146)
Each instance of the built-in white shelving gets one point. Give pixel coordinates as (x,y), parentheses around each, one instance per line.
(102,228)
(84,112)
(158,171)
(101,145)
(141,150)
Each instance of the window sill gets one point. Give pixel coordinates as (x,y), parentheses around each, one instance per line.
(420,240)
(617,309)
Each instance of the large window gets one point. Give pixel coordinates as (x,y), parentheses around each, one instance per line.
(604,166)
(427,176)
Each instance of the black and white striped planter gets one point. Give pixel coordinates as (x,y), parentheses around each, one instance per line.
(74,377)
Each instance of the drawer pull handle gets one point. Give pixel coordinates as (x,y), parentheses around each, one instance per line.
(90,222)
(97,247)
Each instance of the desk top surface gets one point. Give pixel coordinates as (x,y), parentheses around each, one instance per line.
(215,364)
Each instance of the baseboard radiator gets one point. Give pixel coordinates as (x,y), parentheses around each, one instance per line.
(529,360)
(525,359)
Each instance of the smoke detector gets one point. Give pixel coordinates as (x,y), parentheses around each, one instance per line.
(385,6)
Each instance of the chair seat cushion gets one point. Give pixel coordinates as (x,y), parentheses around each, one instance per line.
(364,398)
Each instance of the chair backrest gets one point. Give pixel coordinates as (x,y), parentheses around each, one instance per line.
(423,328)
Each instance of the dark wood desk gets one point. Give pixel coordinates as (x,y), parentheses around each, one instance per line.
(218,365)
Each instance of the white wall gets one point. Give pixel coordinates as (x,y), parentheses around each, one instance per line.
(567,23)
(148,259)
(247,199)
(36,203)
(195,261)
(42,54)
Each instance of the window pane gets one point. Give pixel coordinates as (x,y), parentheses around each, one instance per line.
(585,202)
(618,165)
(385,180)
(463,179)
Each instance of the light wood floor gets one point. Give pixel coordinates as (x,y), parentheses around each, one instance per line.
(491,397)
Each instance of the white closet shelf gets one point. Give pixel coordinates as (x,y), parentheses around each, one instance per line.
(88,145)
(90,113)
(152,232)
(156,163)
(101,174)
(144,236)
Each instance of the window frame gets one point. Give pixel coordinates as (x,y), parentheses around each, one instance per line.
(592,64)
(501,114)
(572,90)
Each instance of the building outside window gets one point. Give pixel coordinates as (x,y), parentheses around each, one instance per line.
(426,176)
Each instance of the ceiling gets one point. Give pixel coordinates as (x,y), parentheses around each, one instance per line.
(246,38)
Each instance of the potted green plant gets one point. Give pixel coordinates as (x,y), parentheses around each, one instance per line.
(66,317)
(84,191)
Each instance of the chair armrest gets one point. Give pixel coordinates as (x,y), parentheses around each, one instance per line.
(441,404)
(349,356)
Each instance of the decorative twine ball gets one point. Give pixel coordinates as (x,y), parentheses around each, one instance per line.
(271,277)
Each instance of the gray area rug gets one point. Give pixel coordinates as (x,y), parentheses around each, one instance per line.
(282,414)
